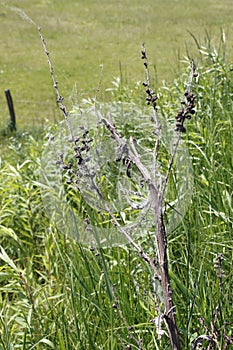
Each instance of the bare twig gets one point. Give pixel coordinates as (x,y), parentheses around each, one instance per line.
(151,100)
(184,113)
(161,239)
(55,85)
(156,190)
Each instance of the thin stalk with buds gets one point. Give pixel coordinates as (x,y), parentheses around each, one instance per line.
(158,264)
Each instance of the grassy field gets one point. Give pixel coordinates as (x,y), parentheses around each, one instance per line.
(82,35)
(57,291)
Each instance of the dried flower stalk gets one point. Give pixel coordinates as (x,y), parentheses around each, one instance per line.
(156,189)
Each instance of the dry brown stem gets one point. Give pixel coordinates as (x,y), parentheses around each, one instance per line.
(161,239)
(55,85)
(156,188)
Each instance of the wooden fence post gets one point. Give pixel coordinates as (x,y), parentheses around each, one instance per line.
(12,125)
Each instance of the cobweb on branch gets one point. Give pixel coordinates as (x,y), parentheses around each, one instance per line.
(106,180)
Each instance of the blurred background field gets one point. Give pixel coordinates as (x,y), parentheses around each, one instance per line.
(82,35)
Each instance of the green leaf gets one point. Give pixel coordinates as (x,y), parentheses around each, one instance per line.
(5,257)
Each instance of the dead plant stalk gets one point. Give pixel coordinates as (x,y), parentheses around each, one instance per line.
(156,188)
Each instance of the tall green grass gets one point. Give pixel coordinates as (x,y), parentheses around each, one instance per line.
(84,34)
(59,294)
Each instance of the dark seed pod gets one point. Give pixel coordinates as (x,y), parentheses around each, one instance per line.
(143,55)
(154,105)
(180,112)
(181,129)
(128,173)
(179,124)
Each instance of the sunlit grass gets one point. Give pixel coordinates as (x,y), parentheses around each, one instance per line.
(59,294)
(82,35)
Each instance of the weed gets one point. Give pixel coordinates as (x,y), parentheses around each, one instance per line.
(62,293)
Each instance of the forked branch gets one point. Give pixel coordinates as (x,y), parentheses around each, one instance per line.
(156,188)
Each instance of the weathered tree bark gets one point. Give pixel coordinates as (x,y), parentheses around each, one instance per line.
(169,314)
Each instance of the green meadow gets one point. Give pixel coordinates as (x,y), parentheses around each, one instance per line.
(59,291)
